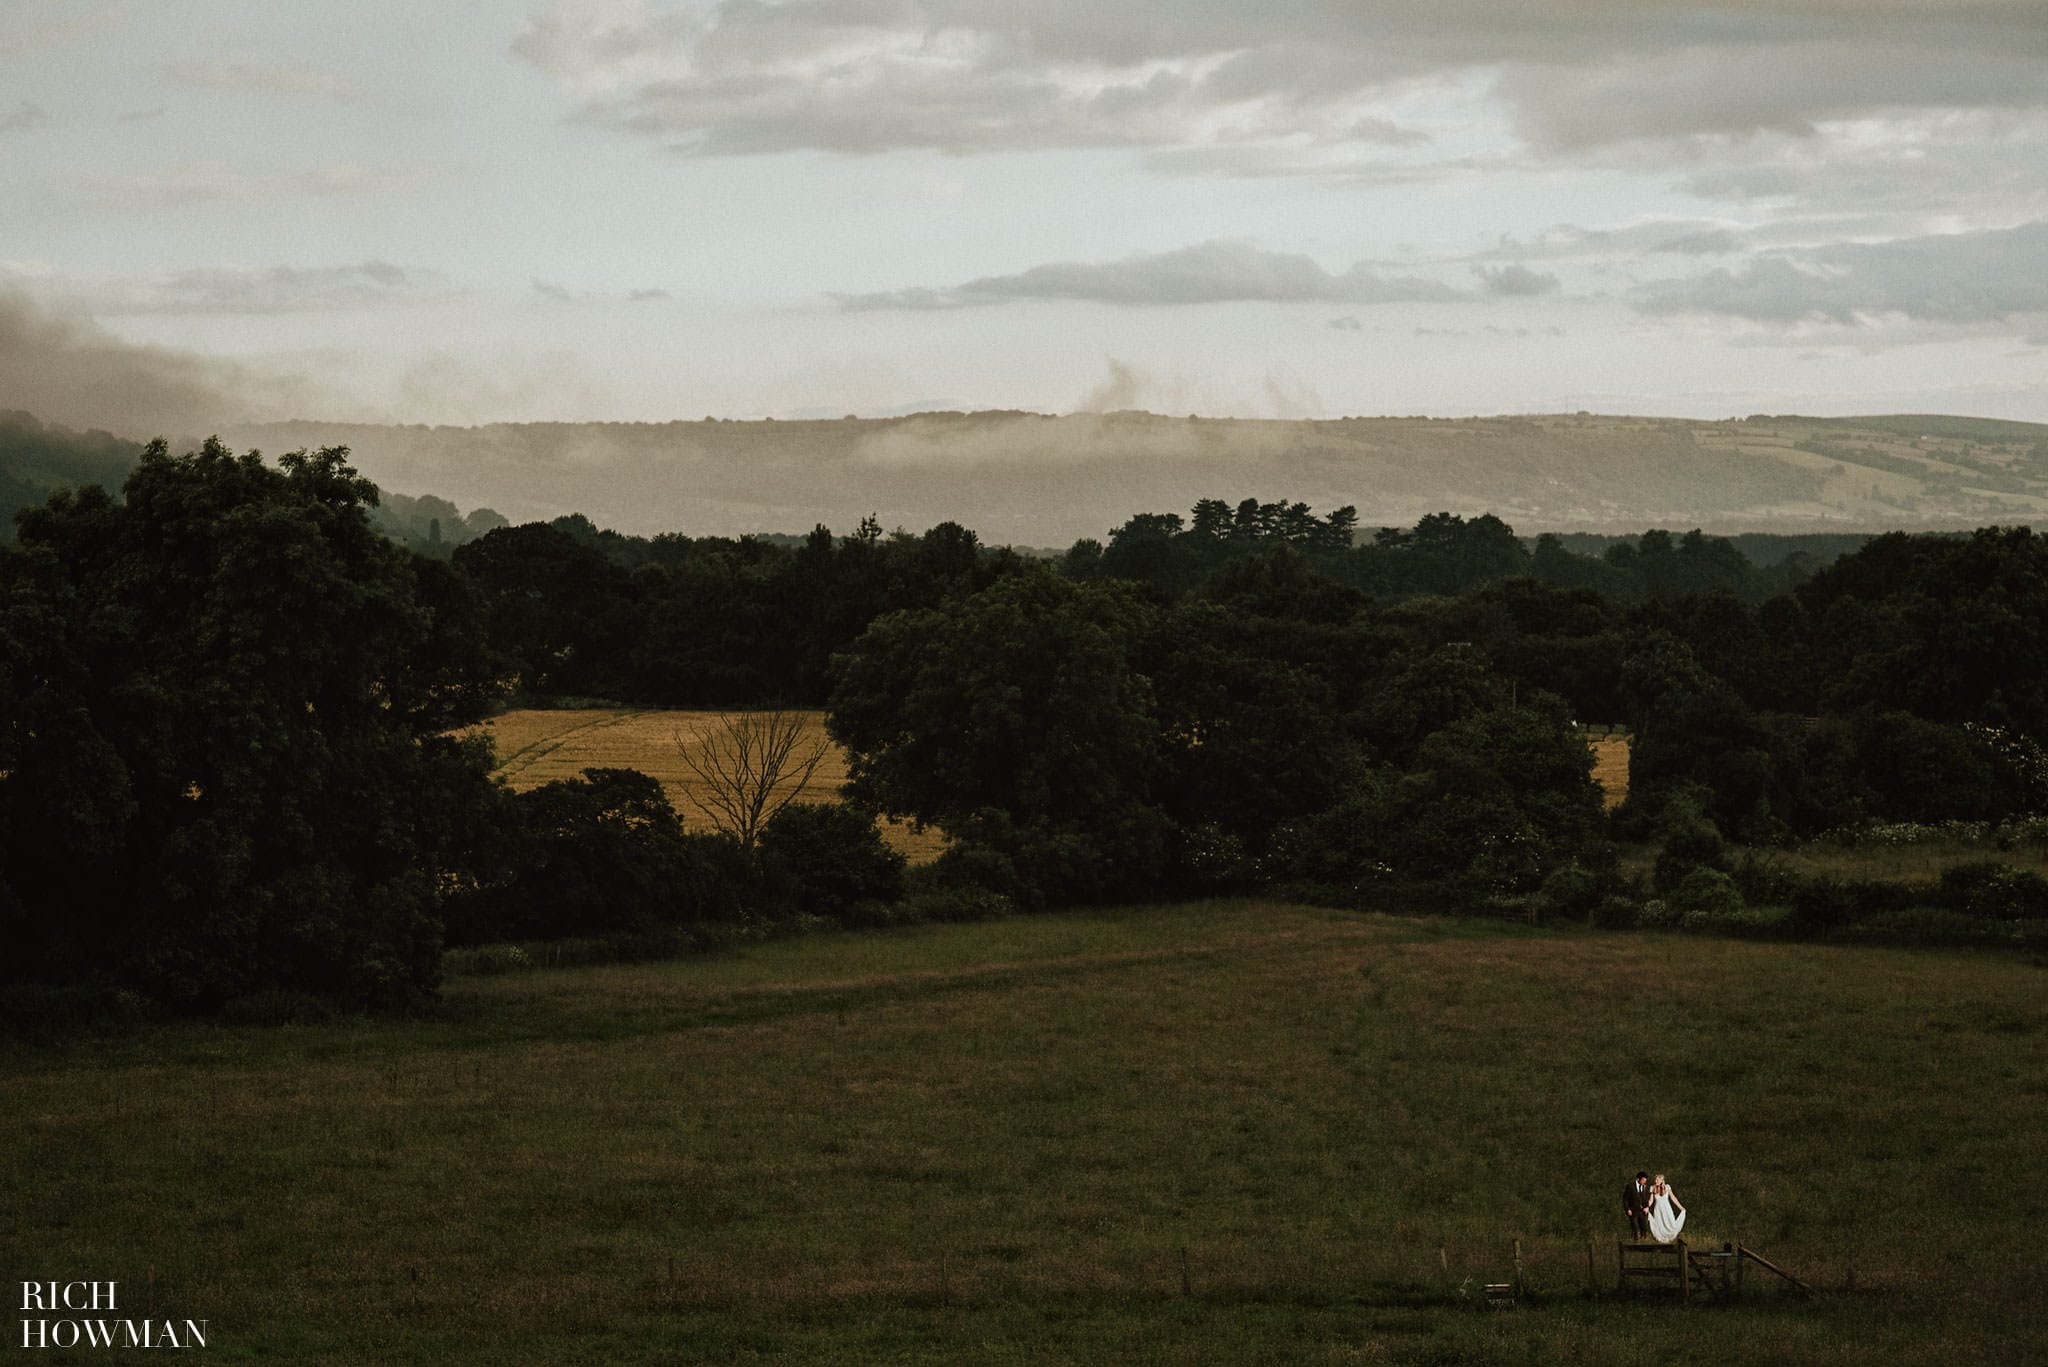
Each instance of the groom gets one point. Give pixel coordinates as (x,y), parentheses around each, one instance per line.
(1635,1204)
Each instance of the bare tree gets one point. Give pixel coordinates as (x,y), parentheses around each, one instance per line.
(752,766)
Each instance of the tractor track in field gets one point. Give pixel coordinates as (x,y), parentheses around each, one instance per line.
(539,750)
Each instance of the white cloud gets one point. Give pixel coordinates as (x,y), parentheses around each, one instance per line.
(1959,279)
(1284,84)
(1208,273)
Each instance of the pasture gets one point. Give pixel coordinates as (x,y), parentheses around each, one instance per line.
(536,746)
(1225,1132)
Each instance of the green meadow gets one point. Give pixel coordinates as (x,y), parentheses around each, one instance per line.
(1226,1132)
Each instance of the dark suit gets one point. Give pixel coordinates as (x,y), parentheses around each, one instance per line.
(1635,1203)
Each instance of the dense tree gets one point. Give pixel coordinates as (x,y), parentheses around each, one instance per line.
(1014,719)
(602,855)
(1497,799)
(225,773)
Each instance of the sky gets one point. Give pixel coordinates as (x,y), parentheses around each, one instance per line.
(516,210)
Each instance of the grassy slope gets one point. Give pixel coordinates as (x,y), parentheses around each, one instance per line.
(991,1142)
(989,471)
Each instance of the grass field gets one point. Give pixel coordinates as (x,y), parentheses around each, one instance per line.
(997,1143)
(540,746)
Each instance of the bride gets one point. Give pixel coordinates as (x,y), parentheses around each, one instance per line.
(1667,1216)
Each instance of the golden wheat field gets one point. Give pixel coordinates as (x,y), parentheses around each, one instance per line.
(540,746)
(537,746)
(1610,767)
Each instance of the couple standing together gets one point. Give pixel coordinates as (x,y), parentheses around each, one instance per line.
(1652,1208)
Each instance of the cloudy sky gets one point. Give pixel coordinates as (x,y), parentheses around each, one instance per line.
(471,210)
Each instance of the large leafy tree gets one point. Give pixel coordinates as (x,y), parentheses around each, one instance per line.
(223,767)
(1014,720)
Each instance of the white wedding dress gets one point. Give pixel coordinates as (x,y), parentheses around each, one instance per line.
(1665,1219)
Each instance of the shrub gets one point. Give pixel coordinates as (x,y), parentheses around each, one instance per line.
(1569,891)
(1656,913)
(828,859)
(1827,904)
(1764,878)
(1691,841)
(1995,892)
(1615,912)
(1707,892)
(605,856)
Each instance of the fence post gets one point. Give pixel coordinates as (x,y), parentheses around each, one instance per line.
(1518,1269)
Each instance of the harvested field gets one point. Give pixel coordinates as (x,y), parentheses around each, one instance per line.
(1610,767)
(538,746)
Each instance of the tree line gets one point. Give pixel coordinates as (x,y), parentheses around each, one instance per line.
(226,706)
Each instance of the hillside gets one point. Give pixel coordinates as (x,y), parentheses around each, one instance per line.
(1037,480)
(1046,480)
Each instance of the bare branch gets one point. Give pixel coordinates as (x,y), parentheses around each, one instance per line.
(752,766)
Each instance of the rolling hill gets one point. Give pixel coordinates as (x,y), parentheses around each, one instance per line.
(1031,479)
(1043,480)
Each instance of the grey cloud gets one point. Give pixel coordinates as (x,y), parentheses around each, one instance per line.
(272,78)
(562,294)
(1267,81)
(211,183)
(142,115)
(1959,278)
(264,289)
(69,370)
(22,117)
(1708,242)
(1658,237)
(1515,281)
(1346,323)
(1209,273)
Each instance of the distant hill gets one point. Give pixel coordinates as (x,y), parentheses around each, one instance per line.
(1031,479)
(35,459)
(1043,480)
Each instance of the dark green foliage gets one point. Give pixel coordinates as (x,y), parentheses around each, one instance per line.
(1253,714)
(1571,891)
(1946,628)
(1691,841)
(223,775)
(1705,892)
(1015,719)
(828,859)
(603,855)
(1995,892)
(1498,799)
(1423,694)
